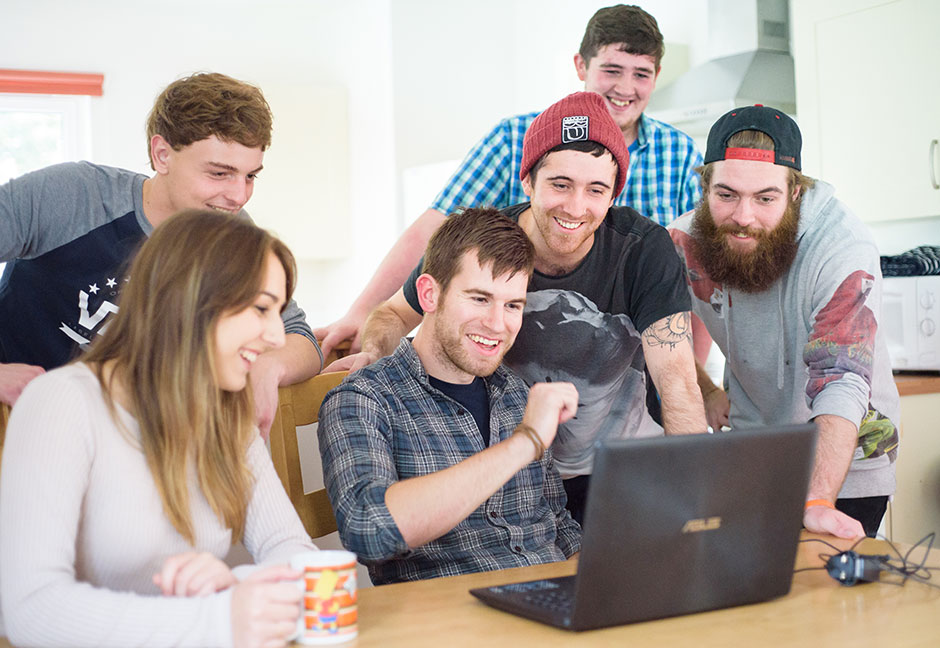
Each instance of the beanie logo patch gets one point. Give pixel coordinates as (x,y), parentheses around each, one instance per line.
(574,129)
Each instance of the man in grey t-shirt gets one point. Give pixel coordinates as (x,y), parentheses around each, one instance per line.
(68,232)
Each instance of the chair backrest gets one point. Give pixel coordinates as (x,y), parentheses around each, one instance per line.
(300,405)
(339,351)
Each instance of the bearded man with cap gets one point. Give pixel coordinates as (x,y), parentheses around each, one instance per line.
(607,298)
(788,282)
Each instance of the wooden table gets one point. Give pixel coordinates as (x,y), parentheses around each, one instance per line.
(817,612)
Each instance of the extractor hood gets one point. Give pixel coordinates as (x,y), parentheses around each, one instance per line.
(760,69)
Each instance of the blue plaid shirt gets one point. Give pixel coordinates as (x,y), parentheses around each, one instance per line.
(661,184)
(386,423)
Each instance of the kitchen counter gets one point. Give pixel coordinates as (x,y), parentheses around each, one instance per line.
(910,383)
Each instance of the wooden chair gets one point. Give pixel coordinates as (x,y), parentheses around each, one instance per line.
(300,405)
(337,352)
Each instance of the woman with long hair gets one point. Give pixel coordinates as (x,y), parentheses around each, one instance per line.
(129,474)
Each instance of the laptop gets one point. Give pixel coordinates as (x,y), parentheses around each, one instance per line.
(675,525)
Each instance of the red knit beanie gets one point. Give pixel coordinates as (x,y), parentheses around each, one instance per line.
(581,116)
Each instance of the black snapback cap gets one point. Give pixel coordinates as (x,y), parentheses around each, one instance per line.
(770,121)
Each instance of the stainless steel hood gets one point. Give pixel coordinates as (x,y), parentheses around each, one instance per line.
(760,70)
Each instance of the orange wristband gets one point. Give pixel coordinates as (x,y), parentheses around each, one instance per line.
(819,502)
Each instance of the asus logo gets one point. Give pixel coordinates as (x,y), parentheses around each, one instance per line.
(703,524)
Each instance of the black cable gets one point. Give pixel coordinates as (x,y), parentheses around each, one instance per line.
(821,541)
(803,569)
(849,567)
(824,557)
(919,572)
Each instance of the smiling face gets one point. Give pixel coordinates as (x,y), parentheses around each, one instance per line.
(241,336)
(469,327)
(208,174)
(570,193)
(625,81)
(747,199)
(746,228)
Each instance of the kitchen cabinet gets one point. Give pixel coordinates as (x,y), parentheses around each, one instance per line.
(915,511)
(868,102)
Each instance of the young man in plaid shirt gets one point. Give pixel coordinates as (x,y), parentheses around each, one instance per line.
(435,457)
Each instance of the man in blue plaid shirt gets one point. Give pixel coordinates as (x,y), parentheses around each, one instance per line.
(435,457)
(619,59)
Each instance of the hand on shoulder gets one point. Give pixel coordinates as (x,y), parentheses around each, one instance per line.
(348,327)
(352,362)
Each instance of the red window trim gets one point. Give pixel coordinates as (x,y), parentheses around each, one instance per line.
(38,82)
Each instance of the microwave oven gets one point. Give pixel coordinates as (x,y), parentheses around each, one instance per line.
(910,319)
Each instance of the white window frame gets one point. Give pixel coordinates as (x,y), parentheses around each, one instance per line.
(75,137)
(76,121)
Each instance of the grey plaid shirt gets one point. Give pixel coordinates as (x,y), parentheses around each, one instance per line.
(386,423)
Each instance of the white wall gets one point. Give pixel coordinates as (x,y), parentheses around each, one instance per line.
(461,67)
(424,79)
(894,237)
(141,46)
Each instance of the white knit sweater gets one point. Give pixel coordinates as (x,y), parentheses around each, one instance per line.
(82,528)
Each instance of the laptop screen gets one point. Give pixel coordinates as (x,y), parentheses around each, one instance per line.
(684,524)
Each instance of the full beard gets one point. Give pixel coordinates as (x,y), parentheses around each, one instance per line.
(749,272)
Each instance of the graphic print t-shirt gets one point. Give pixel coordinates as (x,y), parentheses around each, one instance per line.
(67,233)
(584,327)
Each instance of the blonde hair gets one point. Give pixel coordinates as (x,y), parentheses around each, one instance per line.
(196,267)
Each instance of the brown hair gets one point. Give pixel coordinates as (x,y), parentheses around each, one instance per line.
(627,25)
(197,107)
(196,267)
(496,239)
(753,139)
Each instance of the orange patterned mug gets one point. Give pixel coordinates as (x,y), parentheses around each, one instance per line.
(328,614)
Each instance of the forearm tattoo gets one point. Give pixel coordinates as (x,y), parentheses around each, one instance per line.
(669,331)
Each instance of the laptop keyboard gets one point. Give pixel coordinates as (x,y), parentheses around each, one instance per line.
(545,594)
(550,600)
(556,600)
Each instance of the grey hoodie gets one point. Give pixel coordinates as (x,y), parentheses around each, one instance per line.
(810,344)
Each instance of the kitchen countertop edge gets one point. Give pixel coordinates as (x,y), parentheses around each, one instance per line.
(913,383)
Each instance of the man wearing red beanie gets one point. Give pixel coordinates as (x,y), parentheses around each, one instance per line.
(606,301)
(619,58)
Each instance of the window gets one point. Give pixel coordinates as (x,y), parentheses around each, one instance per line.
(45,118)
(39,130)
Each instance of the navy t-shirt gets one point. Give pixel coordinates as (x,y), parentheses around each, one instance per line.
(474,397)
